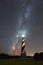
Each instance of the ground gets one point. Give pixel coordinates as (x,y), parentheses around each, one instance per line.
(20,62)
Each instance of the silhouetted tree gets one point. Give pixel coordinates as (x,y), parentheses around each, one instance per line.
(41,56)
(38,56)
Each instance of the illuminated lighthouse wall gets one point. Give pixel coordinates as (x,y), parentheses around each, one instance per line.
(23,53)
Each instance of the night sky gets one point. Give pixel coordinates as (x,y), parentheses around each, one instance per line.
(19,17)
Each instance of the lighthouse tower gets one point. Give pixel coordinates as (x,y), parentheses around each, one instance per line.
(23,53)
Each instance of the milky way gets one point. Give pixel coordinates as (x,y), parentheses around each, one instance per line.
(26,10)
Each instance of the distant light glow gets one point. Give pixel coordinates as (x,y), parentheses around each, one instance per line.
(13,47)
(16,51)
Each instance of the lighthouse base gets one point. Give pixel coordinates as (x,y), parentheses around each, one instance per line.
(23,54)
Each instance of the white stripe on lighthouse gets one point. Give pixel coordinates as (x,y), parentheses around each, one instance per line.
(23,44)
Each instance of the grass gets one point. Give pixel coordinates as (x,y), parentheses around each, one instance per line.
(20,62)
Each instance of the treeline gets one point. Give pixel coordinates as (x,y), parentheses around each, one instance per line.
(38,56)
(6,56)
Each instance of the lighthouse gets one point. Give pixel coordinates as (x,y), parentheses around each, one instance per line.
(23,52)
